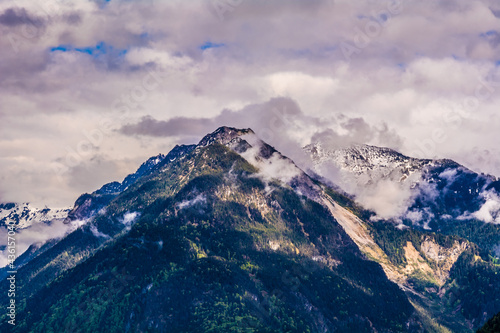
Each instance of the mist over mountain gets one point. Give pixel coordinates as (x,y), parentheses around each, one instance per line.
(399,187)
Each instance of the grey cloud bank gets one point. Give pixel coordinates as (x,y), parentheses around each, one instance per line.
(421,80)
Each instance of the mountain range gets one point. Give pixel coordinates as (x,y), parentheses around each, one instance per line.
(437,195)
(229,235)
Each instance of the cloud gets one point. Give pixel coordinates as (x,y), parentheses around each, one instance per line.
(273,167)
(12,17)
(97,233)
(129,219)
(179,126)
(357,131)
(411,78)
(200,198)
(279,122)
(490,210)
(38,233)
(448,174)
(387,198)
(496,250)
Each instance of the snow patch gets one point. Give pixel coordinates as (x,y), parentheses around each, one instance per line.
(26,214)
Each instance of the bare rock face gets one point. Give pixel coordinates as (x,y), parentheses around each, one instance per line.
(224,135)
(444,258)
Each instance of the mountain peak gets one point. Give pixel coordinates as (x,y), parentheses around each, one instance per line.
(224,135)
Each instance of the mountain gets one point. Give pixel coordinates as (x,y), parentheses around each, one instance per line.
(408,197)
(229,235)
(88,205)
(439,195)
(24,215)
(28,221)
(439,189)
(209,241)
(145,168)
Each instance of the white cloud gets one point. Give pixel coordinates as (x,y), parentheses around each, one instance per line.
(38,233)
(426,61)
(386,198)
(490,210)
(274,167)
(496,250)
(129,219)
(200,198)
(97,233)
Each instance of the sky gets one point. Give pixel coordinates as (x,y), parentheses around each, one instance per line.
(91,89)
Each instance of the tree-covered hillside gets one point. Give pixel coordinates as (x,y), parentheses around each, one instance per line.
(215,248)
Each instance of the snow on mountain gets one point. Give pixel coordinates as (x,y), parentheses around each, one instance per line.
(34,226)
(24,214)
(369,164)
(399,187)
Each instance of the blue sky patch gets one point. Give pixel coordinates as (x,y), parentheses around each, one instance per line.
(62,48)
(210,45)
(96,51)
(488,33)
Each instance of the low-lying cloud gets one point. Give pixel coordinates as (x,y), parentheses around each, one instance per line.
(38,233)
(129,219)
(200,198)
(274,167)
(490,210)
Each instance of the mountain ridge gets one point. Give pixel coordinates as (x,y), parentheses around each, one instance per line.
(25,214)
(244,227)
(360,167)
(253,220)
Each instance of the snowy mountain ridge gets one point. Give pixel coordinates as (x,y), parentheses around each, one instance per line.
(25,214)
(375,162)
(399,187)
